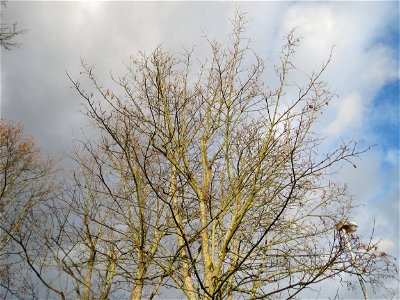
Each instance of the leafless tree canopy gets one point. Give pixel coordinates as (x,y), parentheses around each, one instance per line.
(27,186)
(8,32)
(203,180)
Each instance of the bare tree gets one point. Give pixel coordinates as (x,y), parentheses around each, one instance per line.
(104,238)
(201,179)
(9,32)
(231,193)
(27,185)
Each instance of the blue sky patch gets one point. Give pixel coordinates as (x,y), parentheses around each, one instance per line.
(385,116)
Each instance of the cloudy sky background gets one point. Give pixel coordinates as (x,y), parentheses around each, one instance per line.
(364,72)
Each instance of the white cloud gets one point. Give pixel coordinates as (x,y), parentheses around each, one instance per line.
(349,116)
(392,157)
(385,245)
(361,63)
(380,67)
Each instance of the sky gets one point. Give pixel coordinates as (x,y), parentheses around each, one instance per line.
(364,73)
